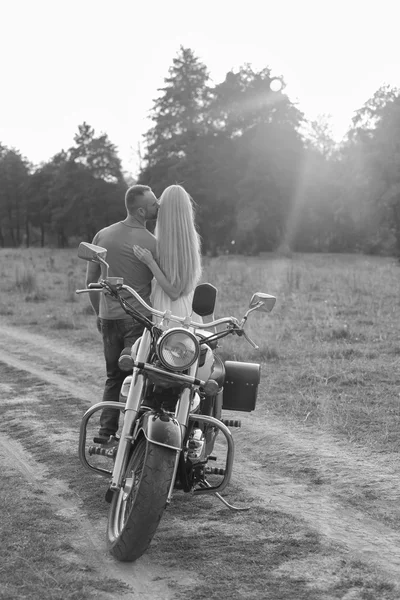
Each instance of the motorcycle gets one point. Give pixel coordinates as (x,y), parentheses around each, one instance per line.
(172,400)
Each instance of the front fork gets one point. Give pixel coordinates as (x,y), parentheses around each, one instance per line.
(132,407)
(131,410)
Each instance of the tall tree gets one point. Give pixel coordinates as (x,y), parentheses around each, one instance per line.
(97,154)
(322,220)
(14,175)
(374,149)
(39,192)
(319,136)
(81,204)
(245,99)
(233,146)
(264,128)
(179,116)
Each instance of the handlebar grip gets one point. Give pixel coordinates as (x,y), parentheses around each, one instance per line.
(95,286)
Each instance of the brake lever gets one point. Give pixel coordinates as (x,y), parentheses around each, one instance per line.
(249,340)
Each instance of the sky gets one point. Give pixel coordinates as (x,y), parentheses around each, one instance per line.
(102,62)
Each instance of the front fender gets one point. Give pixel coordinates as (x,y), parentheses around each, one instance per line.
(161,432)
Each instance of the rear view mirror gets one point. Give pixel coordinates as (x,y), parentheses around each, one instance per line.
(204,298)
(91,252)
(268,302)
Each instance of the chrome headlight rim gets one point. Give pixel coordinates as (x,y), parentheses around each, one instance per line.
(164,338)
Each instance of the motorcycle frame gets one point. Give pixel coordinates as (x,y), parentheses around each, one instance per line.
(129,433)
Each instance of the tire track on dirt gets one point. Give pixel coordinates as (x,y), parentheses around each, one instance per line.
(366,537)
(372,541)
(294,441)
(137,576)
(275,444)
(147,581)
(351,474)
(87,394)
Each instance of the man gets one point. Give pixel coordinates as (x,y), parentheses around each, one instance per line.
(119,330)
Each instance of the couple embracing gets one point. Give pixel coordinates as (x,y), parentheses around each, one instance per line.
(163,268)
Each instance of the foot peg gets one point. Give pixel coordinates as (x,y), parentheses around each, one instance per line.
(232,422)
(109,452)
(214,471)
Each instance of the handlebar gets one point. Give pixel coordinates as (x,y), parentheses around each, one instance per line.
(98,287)
(232,321)
(93,286)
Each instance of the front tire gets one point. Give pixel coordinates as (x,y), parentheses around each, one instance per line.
(136,509)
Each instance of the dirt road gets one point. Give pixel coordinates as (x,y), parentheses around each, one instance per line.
(347,494)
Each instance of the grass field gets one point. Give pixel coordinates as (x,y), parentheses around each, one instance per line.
(200,549)
(330,350)
(330,355)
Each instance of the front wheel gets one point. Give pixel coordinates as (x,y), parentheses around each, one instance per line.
(137,508)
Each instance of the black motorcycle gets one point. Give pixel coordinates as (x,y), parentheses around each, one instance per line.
(171,401)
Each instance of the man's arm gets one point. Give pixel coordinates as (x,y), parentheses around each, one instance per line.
(93,273)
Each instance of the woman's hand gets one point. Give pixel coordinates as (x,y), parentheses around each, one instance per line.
(143,254)
(147,258)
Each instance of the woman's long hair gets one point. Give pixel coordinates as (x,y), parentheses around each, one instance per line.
(178,243)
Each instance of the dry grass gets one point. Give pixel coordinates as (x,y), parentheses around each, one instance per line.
(42,551)
(25,279)
(330,349)
(329,353)
(331,343)
(263,553)
(35,544)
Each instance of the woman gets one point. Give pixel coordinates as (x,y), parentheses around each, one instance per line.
(177,266)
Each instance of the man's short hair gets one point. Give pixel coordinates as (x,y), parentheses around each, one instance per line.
(132,195)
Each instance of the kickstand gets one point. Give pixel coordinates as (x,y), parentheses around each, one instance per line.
(230,506)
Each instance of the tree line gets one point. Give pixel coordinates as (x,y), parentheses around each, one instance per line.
(262,176)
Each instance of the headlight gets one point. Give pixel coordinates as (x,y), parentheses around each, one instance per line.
(178,349)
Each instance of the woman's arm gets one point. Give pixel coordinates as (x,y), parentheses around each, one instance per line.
(146,256)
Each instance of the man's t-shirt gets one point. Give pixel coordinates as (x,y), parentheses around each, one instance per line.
(118,240)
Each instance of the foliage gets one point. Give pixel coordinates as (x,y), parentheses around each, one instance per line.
(262,177)
(74,194)
(14,174)
(235,147)
(374,146)
(97,154)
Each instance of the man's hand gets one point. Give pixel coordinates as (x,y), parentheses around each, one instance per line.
(93,273)
(143,254)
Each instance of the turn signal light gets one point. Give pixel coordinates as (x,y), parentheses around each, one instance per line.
(125,362)
(211,387)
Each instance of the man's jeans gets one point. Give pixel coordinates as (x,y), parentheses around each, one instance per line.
(117,335)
